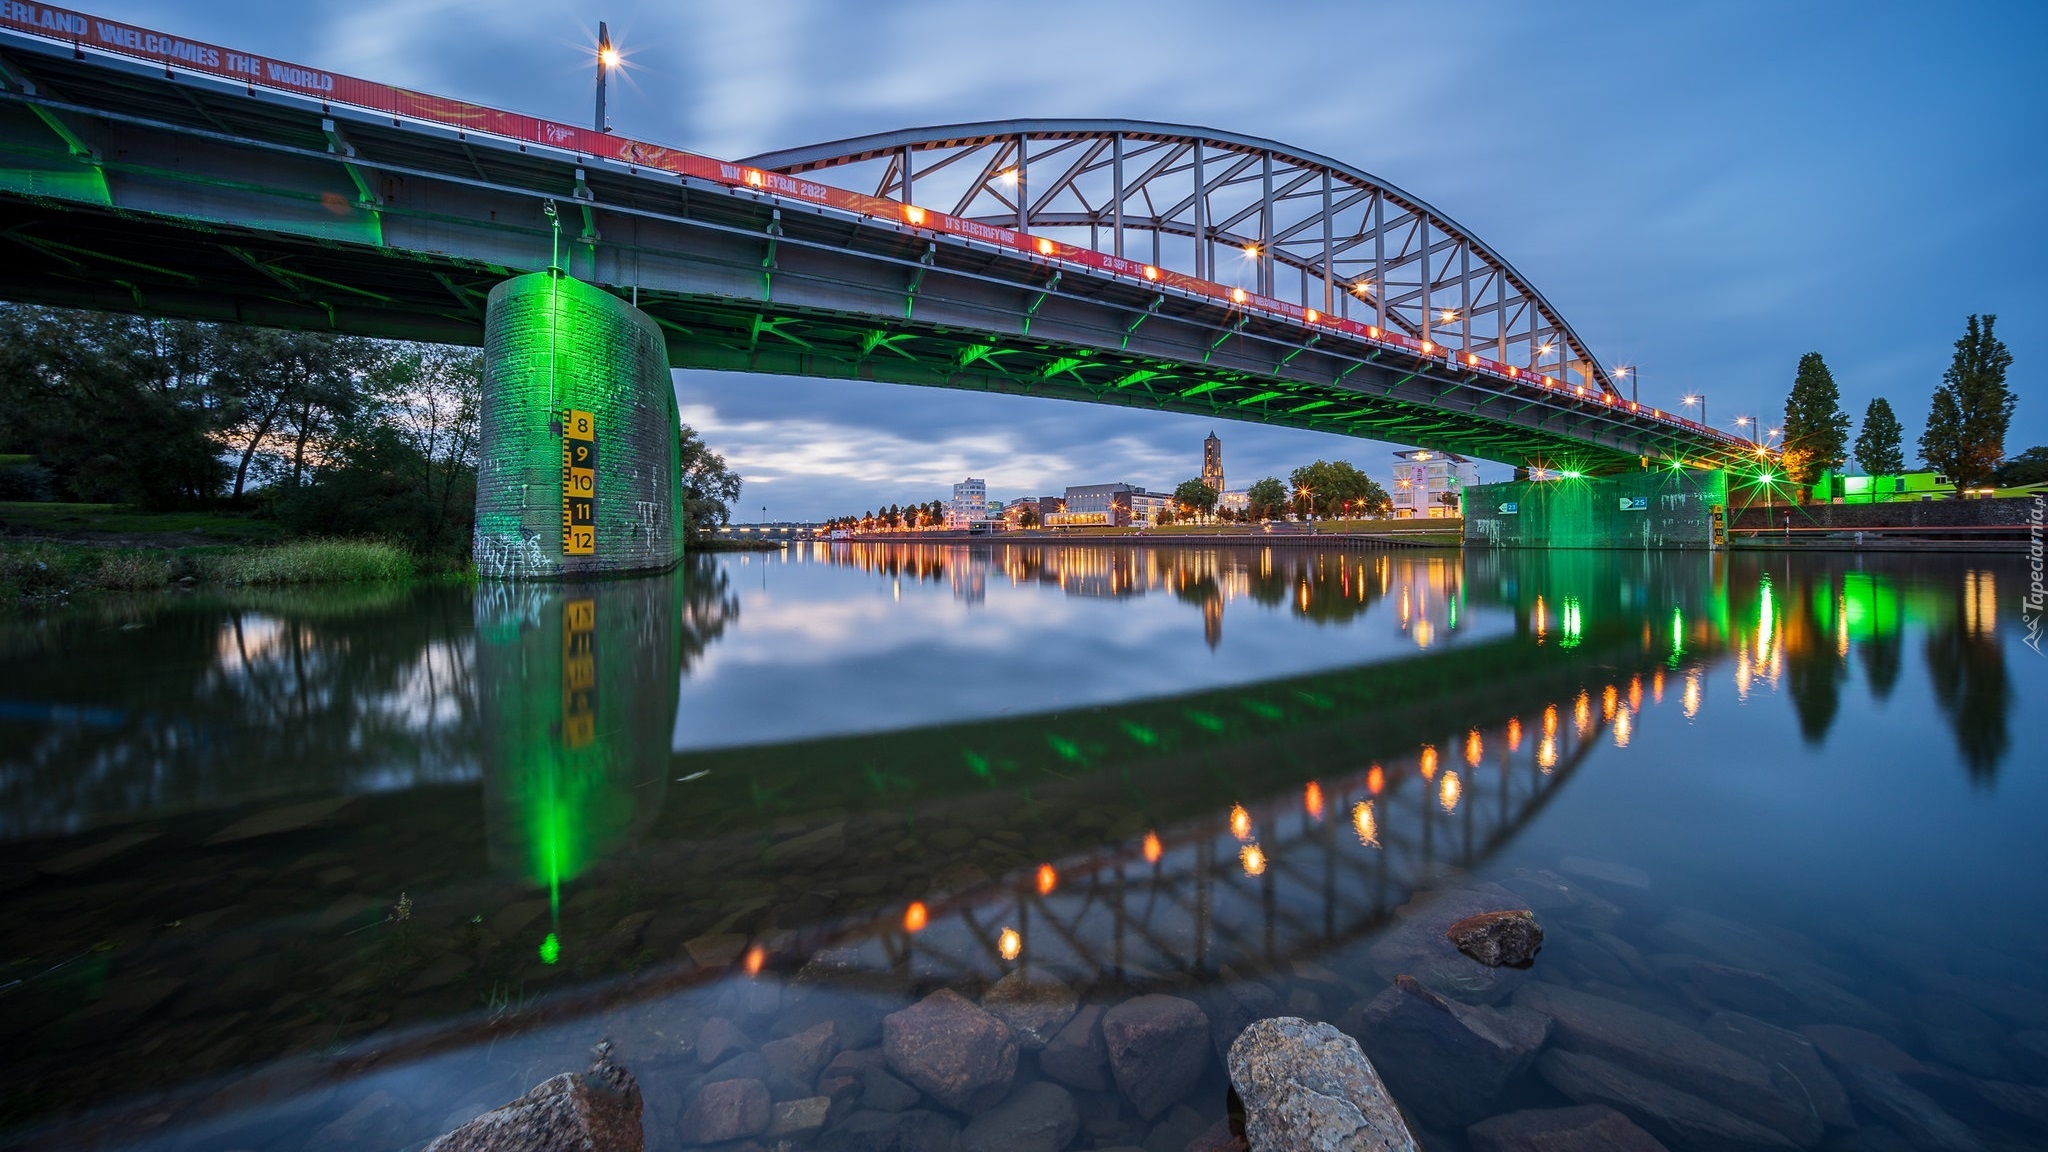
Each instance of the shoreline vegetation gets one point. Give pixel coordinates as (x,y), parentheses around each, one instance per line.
(40,569)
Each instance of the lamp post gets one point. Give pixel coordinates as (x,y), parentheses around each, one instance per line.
(1699,398)
(1745,422)
(1635,382)
(607,60)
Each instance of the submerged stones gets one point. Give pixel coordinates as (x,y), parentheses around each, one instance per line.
(1158,1047)
(1582,1128)
(1308,1088)
(593,1111)
(1448,1062)
(1499,939)
(952,1051)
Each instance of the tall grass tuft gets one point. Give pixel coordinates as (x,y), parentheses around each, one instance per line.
(314,562)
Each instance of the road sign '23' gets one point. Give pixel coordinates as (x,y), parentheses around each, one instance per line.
(579,483)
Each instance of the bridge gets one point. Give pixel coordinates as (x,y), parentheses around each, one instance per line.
(1149,265)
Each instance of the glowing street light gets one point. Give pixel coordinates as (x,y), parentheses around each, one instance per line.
(608,61)
(1699,398)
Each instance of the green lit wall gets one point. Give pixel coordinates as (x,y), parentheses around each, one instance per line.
(1658,508)
(552,344)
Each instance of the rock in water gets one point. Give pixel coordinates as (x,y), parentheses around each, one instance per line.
(1679,1119)
(594,1111)
(1075,1055)
(1039,1117)
(1910,1112)
(1035,1010)
(1418,945)
(1307,1088)
(1499,939)
(1447,1062)
(1586,1128)
(1158,1047)
(1785,1053)
(952,1051)
(727,1110)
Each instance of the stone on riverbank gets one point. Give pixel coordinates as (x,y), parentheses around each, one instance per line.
(1582,1128)
(1499,939)
(1909,1111)
(1447,1062)
(952,1051)
(915,1131)
(1418,945)
(593,1111)
(1158,1046)
(1307,1088)
(795,1061)
(1782,1049)
(1075,1055)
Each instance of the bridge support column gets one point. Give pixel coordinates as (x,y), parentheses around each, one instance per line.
(1656,508)
(578,467)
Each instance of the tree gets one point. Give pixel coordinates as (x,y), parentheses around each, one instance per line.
(1196,496)
(1266,499)
(1816,428)
(709,488)
(1333,485)
(1966,426)
(1028,518)
(1163,517)
(2029,467)
(1877,445)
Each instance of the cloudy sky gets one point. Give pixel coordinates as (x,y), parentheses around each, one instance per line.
(1705,190)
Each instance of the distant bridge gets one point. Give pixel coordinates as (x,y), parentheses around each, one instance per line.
(145,172)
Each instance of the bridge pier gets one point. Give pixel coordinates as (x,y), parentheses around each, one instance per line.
(579,459)
(1655,508)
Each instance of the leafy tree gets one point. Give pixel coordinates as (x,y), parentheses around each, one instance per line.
(1266,499)
(1163,517)
(709,489)
(1816,428)
(281,392)
(1335,488)
(1877,445)
(113,408)
(1195,495)
(1965,436)
(2029,467)
(1028,518)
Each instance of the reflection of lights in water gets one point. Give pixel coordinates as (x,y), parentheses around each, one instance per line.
(1766,618)
(1047,879)
(1515,734)
(1657,687)
(1153,849)
(1570,625)
(1622,725)
(916,917)
(1448,790)
(1550,720)
(1841,627)
(1253,859)
(1677,633)
(1582,712)
(1546,754)
(1405,611)
(1312,800)
(1980,603)
(756,956)
(1542,620)
(1423,632)
(1365,824)
(1692,695)
(1635,693)
(1010,945)
(1474,748)
(1429,761)
(1240,822)
(550,949)
(1608,699)
(1375,779)
(1742,674)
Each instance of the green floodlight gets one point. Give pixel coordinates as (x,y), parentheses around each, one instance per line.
(1569,474)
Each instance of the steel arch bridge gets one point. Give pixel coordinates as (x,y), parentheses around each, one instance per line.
(146,172)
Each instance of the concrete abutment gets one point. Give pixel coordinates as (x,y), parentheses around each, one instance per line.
(1658,508)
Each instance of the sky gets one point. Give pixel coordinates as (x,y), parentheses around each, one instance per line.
(1705,191)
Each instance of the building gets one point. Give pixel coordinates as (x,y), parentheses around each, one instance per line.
(1831,488)
(1212,463)
(1146,506)
(969,505)
(1116,505)
(1237,503)
(1423,480)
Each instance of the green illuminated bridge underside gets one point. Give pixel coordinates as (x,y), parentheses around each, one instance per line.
(127,189)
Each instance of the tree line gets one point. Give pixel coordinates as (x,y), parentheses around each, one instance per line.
(330,435)
(1964,439)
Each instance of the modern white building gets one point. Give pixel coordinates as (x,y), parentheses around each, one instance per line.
(969,505)
(1423,479)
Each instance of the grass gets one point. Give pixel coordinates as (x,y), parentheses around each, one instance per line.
(46,518)
(44,569)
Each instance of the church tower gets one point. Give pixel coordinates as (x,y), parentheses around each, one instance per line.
(1212,464)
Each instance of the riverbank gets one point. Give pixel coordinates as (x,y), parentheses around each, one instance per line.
(40,569)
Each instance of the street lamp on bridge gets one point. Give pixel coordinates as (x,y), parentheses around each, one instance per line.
(608,61)
(1699,398)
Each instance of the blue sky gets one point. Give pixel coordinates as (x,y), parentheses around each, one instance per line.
(1706,191)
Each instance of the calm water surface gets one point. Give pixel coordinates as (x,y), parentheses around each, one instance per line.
(341,869)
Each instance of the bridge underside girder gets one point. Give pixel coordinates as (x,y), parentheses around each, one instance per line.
(128,190)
